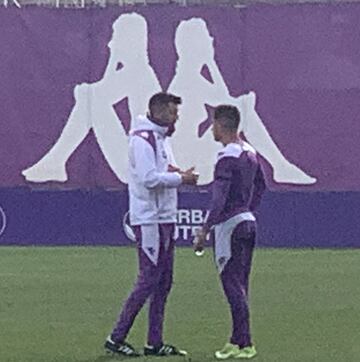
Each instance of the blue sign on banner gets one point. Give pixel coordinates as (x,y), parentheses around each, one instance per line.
(98,217)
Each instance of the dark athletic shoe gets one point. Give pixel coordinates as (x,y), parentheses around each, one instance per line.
(163,350)
(122,349)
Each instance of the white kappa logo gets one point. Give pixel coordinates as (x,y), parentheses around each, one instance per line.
(2,221)
(129,232)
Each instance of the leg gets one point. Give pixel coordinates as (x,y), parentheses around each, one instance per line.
(111,137)
(235,281)
(159,297)
(51,167)
(146,284)
(257,134)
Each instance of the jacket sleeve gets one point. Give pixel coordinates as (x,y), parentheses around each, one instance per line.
(220,191)
(143,164)
(259,188)
(170,153)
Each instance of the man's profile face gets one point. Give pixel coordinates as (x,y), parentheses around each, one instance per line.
(216,130)
(169,115)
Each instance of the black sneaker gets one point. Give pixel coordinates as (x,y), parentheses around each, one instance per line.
(123,349)
(163,350)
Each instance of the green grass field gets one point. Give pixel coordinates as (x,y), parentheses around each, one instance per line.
(58,304)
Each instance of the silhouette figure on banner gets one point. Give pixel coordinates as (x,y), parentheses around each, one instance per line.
(195,50)
(197,81)
(94,108)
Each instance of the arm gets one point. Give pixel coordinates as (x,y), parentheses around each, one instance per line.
(142,160)
(219,92)
(259,188)
(112,64)
(169,151)
(220,191)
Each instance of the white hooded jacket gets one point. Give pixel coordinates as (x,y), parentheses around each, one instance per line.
(152,189)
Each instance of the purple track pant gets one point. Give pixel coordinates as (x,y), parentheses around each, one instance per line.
(235,281)
(154,283)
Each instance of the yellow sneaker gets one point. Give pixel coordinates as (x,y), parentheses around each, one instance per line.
(246,352)
(228,351)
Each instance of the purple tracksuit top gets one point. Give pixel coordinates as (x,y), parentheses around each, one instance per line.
(238,183)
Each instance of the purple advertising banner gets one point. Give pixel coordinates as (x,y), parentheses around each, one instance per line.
(72,83)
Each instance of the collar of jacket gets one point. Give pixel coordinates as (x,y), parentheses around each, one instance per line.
(145,124)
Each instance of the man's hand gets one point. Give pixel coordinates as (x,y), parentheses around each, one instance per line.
(172,168)
(189,177)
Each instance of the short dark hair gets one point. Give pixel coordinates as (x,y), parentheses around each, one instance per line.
(159,100)
(228,116)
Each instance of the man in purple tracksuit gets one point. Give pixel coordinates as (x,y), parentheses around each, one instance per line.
(153,179)
(236,192)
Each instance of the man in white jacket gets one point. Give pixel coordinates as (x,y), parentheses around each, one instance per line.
(153,179)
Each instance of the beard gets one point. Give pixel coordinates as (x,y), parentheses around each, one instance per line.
(171,130)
